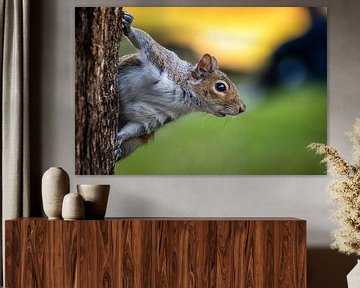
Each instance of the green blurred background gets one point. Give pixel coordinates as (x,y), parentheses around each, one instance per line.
(277,56)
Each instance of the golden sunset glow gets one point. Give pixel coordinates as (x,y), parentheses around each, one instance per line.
(240,37)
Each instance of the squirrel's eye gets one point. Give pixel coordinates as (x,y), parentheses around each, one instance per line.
(220,86)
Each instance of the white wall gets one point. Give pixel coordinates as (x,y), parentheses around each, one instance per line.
(52,115)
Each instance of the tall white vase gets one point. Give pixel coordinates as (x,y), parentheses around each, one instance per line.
(353,278)
(55,185)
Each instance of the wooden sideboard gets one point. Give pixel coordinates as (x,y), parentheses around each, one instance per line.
(156,252)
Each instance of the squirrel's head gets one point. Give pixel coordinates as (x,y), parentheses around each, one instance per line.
(216,93)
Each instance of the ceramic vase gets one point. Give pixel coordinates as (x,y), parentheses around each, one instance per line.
(73,207)
(55,185)
(353,278)
(96,198)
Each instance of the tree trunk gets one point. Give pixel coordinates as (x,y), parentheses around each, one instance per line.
(97,34)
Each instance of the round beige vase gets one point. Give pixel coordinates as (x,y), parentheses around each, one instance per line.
(73,207)
(54,186)
(96,198)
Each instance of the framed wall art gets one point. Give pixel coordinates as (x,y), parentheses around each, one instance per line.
(200,90)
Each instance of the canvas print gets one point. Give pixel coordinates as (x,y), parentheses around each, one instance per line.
(200,90)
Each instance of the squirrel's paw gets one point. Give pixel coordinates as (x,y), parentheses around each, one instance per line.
(117,153)
(127,20)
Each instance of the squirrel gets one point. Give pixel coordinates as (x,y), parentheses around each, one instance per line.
(156,87)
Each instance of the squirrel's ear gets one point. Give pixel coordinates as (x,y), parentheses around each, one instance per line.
(206,64)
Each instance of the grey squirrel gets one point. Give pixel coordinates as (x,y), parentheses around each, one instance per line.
(156,87)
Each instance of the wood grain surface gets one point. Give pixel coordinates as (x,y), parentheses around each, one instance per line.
(162,252)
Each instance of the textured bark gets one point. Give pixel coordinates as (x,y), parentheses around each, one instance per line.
(97,35)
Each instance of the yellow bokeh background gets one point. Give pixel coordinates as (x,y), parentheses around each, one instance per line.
(241,38)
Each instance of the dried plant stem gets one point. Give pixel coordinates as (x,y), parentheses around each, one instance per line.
(345,191)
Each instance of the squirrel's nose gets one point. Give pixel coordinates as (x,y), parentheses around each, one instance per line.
(242,107)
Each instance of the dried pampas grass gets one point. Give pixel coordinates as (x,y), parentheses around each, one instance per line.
(345,191)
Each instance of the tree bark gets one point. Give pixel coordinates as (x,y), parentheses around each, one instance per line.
(97,34)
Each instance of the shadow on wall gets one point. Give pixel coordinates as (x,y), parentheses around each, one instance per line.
(137,206)
(36,44)
(328,268)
